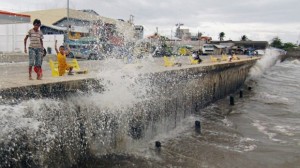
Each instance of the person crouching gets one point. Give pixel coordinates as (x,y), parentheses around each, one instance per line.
(196,56)
(62,60)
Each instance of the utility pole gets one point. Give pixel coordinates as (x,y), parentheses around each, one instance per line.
(131,19)
(68,15)
(298,42)
(172,38)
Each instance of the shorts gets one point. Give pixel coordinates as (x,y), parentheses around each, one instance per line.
(35,56)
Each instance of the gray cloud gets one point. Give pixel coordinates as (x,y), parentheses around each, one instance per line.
(265,16)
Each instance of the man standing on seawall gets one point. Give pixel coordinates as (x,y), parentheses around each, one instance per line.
(35,48)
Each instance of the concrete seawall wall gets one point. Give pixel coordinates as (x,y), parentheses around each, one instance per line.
(56,89)
(293,53)
(176,94)
(80,130)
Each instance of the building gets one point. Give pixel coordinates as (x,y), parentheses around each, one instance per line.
(240,47)
(206,39)
(9,34)
(56,24)
(81,23)
(13,18)
(243,44)
(183,34)
(139,32)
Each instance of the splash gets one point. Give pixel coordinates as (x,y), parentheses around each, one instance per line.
(271,99)
(268,60)
(295,62)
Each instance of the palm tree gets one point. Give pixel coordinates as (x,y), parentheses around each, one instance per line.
(244,38)
(221,36)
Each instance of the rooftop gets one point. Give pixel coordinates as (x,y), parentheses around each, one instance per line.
(11,18)
(51,16)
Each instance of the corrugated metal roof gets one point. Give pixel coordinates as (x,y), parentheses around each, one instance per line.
(57,27)
(50,16)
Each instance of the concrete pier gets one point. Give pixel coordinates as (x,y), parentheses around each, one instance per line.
(14,82)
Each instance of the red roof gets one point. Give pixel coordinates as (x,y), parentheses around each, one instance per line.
(13,18)
(154,36)
(206,38)
(13,14)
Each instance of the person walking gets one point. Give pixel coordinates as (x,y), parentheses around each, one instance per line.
(35,49)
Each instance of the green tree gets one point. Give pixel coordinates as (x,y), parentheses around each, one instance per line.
(244,38)
(163,38)
(276,42)
(221,36)
(287,46)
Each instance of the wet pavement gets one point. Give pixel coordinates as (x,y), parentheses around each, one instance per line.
(14,69)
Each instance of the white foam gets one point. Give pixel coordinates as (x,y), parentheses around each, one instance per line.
(249,148)
(227,122)
(269,59)
(262,127)
(244,146)
(271,99)
(286,130)
(296,62)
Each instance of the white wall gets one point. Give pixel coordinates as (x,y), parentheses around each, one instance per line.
(50,39)
(12,38)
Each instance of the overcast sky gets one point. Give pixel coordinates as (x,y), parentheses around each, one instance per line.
(257,19)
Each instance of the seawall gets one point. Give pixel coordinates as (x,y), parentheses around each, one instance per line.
(176,94)
(70,131)
(292,53)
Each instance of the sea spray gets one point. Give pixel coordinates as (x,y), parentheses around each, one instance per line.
(63,131)
(269,59)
